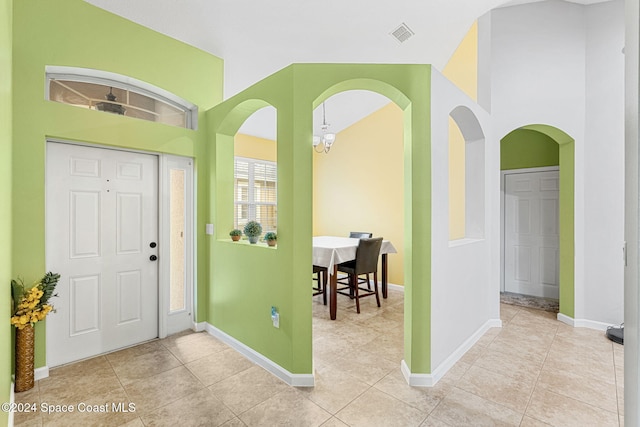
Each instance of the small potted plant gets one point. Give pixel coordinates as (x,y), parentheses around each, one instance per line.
(271,238)
(235,234)
(253,230)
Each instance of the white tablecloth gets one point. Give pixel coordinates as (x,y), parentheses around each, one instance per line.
(331,250)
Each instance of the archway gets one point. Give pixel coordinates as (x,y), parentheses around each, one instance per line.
(565,161)
(294,92)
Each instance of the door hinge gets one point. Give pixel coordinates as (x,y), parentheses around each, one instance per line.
(624,253)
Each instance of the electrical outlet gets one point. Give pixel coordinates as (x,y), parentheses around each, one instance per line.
(275,317)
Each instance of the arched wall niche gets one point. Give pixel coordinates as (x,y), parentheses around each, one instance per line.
(473,163)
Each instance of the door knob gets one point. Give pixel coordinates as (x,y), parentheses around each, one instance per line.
(152,244)
(153,257)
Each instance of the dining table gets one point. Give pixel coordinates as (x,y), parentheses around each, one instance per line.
(329,251)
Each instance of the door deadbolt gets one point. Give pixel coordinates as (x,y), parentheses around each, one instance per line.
(152,244)
(153,257)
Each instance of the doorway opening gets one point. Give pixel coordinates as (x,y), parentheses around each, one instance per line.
(358,186)
(537,217)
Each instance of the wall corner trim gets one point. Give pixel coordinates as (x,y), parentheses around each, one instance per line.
(296,380)
(416,380)
(583,323)
(199,327)
(429,380)
(566,320)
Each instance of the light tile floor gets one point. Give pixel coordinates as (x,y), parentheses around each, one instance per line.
(535,371)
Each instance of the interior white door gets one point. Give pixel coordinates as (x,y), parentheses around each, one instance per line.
(102,217)
(531,233)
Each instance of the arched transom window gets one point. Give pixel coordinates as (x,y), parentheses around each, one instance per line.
(118,94)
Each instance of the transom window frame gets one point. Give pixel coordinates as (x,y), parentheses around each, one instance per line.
(251,203)
(109,79)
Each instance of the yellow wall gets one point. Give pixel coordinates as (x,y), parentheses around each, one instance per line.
(456,182)
(359,186)
(462,70)
(255,148)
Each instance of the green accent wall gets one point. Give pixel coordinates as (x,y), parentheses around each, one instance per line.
(237,284)
(543,145)
(247,280)
(524,148)
(567,229)
(76,33)
(6,26)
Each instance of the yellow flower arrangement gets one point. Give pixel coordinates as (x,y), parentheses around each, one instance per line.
(32,305)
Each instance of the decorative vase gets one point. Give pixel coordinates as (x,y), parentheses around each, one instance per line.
(272,242)
(253,239)
(24,358)
(235,238)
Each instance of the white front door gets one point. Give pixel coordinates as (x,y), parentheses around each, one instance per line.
(101,236)
(531,233)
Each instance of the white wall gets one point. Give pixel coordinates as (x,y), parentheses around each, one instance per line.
(632,219)
(464,289)
(540,54)
(604,163)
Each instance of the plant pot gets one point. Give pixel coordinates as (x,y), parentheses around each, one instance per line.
(272,242)
(24,358)
(235,238)
(253,239)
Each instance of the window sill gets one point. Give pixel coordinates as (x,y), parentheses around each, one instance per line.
(243,242)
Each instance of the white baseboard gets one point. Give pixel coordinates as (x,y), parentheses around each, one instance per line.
(12,399)
(583,323)
(296,380)
(389,285)
(41,373)
(429,380)
(395,287)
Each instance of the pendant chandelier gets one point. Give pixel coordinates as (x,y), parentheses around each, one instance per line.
(322,143)
(111,106)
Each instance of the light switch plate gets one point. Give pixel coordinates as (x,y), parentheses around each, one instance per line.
(275,317)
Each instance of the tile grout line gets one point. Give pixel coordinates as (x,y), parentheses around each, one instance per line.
(535,385)
(594,406)
(361,323)
(123,388)
(615,377)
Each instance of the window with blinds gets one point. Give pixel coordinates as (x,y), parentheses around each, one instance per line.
(255,193)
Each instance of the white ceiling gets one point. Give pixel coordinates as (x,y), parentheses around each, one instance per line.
(257,38)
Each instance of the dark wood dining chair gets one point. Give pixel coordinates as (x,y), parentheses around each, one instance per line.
(366,262)
(321,277)
(358,235)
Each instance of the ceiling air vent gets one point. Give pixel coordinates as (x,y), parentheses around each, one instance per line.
(402,33)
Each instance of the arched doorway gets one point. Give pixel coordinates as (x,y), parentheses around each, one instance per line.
(518,151)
